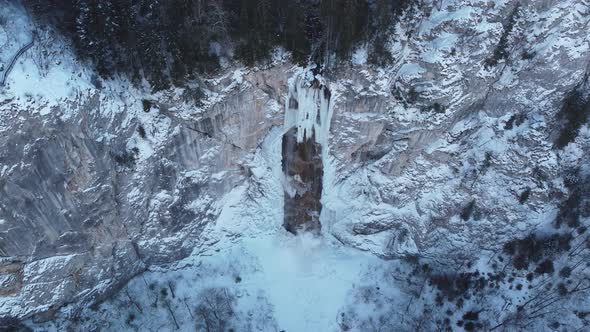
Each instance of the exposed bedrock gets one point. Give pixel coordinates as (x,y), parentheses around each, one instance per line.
(302,166)
(87,202)
(303,148)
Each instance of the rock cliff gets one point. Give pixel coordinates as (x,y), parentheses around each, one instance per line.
(430,157)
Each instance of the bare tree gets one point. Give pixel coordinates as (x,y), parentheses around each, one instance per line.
(215,310)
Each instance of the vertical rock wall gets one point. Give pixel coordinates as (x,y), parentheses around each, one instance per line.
(306,125)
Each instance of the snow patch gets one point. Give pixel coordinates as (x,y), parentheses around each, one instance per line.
(359,57)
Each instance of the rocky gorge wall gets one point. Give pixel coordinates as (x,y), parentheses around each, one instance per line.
(386,162)
(90,202)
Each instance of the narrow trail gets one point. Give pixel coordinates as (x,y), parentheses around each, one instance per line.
(15,58)
(21,51)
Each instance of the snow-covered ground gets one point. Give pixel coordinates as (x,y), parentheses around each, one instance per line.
(280,281)
(245,269)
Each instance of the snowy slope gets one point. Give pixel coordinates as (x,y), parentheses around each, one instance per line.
(104,225)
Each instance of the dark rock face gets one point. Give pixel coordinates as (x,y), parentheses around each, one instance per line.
(302,166)
(307,121)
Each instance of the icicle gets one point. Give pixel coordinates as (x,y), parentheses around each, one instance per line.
(304,147)
(308,110)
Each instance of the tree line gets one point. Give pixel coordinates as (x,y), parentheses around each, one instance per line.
(172,42)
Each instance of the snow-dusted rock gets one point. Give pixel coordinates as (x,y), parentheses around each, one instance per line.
(424,158)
